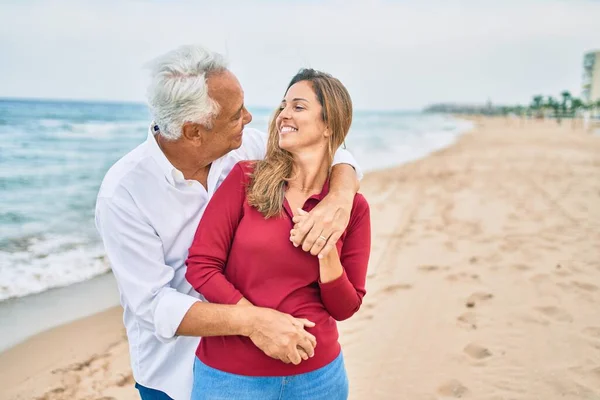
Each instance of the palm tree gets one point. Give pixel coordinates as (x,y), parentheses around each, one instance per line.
(566,95)
(552,104)
(536,105)
(519,110)
(576,106)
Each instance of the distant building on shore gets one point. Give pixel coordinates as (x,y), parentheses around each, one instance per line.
(591,77)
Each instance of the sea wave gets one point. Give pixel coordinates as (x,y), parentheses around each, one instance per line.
(37,264)
(94,130)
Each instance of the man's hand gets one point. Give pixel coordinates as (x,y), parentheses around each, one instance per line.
(319,230)
(281,336)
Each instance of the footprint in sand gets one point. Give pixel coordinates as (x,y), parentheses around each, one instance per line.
(125,380)
(463,277)
(365,316)
(368,306)
(595,372)
(513,217)
(432,268)
(467,320)
(592,331)
(540,278)
(57,391)
(585,286)
(532,319)
(453,388)
(476,351)
(396,287)
(521,267)
(583,371)
(555,313)
(450,246)
(562,273)
(478,298)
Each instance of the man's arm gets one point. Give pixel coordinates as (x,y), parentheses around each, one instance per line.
(137,260)
(278,335)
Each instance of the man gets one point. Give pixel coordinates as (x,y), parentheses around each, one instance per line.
(150,204)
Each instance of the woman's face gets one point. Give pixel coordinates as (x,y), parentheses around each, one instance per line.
(300,124)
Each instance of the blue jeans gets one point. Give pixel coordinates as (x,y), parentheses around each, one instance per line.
(327,383)
(151,394)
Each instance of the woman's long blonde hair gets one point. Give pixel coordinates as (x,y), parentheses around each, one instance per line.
(266,187)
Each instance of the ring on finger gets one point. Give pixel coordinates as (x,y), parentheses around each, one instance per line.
(322,237)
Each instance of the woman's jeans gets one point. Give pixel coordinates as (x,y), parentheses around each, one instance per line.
(327,383)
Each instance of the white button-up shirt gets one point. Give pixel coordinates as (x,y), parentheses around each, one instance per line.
(147,214)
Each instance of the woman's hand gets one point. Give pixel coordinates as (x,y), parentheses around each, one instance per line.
(280,335)
(286,356)
(318,231)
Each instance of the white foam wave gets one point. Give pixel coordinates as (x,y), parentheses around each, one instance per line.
(98,130)
(51,123)
(48,263)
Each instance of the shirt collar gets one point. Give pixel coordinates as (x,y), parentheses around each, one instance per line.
(171,173)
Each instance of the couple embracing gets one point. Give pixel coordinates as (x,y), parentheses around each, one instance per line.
(256,243)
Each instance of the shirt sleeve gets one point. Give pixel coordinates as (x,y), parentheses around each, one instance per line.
(343,156)
(137,259)
(209,251)
(343,296)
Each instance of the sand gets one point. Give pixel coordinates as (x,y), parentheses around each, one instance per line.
(484,282)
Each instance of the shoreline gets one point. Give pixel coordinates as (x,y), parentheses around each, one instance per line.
(484,254)
(24,317)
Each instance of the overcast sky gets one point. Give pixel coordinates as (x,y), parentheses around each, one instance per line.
(390,54)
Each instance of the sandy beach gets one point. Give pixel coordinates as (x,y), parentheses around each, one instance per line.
(484,282)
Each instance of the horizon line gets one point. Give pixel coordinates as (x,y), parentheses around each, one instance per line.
(142,103)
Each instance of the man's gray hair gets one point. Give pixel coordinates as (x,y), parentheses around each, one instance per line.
(178,92)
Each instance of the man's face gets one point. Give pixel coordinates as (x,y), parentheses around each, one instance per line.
(228,126)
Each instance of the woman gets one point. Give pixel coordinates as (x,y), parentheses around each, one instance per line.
(241,253)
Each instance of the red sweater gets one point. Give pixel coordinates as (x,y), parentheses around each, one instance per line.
(237,252)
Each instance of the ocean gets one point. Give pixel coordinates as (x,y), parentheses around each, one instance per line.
(54,154)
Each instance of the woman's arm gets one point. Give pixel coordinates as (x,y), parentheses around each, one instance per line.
(210,249)
(342,277)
